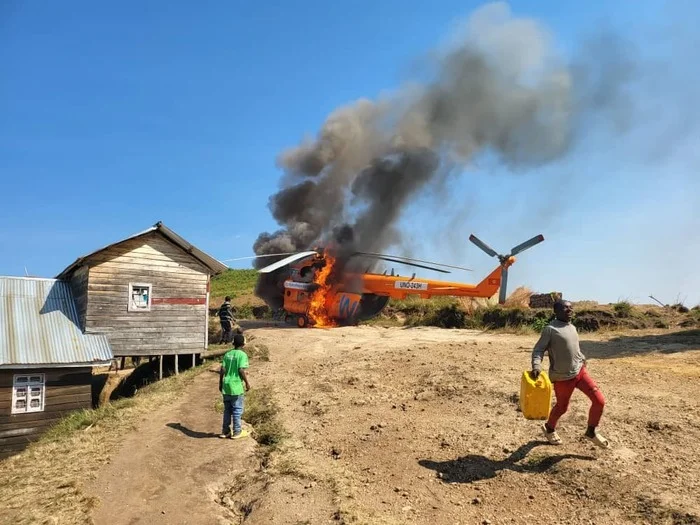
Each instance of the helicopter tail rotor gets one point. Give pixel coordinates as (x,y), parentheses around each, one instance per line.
(505,260)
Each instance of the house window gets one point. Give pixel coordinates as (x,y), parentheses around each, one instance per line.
(139,297)
(28,392)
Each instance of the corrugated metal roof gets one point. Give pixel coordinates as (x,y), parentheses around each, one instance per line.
(212,264)
(39,326)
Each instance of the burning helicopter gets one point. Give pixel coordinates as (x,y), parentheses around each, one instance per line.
(319,288)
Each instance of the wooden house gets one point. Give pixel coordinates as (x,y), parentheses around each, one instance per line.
(45,360)
(149,293)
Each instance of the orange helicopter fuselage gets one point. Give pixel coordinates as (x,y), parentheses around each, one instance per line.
(343,300)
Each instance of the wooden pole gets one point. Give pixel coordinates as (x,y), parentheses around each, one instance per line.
(176,370)
(123,362)
(160,366)
(194,360)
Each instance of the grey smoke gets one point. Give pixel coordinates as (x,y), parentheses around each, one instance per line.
(499,88)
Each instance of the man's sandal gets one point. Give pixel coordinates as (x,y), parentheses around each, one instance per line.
(599,440)
(552,437)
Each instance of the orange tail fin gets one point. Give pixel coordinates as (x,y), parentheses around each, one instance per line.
(490,285)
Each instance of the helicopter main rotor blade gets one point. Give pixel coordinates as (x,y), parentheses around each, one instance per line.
(527,244)
(286,261)
(258,256)
(390,259)
(481,244)
(371,254)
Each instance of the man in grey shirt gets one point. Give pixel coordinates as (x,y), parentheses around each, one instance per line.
(567,371)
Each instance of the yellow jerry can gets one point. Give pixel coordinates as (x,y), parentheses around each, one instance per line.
(535,396)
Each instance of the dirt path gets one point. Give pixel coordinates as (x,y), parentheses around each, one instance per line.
(172,468)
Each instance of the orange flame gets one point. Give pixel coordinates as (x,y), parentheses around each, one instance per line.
(318,313)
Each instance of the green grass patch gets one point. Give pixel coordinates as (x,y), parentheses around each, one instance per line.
(245,311)
(234,283)
(82,419)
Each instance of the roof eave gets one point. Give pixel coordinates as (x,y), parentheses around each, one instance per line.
(12,366)
(213,265)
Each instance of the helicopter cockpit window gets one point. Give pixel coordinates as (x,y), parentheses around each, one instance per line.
(306,274)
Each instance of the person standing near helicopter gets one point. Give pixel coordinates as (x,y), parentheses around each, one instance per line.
(228,323)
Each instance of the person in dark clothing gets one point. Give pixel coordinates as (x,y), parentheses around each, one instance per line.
(226,319)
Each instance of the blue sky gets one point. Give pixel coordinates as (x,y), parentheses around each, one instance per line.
(117,116)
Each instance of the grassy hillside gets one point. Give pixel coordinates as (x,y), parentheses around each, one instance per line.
(239,284)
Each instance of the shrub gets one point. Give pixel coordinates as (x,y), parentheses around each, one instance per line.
(680,308)
(498,317)
(539,323)
(451,316)
(244,312)
(622,309)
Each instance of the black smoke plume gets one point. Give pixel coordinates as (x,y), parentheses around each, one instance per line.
(500,88)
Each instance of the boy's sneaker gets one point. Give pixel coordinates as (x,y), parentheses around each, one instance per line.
(224,436)
(241,434)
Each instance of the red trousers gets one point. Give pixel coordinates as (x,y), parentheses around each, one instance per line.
(563,391)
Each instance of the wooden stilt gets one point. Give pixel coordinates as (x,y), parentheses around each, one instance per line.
(123,362)
(160,367)
(194,360)
(176,370)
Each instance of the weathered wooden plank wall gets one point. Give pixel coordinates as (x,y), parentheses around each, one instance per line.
(176,323)
(67,389)
(79,288)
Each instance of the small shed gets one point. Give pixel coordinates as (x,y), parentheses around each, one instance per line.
(45,360)
(149,293)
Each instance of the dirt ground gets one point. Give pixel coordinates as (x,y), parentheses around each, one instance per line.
(421,425)
(173,469)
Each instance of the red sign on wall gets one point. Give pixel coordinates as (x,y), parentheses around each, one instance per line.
(179,300)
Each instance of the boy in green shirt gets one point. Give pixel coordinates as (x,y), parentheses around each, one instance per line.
(232,378)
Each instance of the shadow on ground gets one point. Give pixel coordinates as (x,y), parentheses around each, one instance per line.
(471,468)
(191,433)
(631,345)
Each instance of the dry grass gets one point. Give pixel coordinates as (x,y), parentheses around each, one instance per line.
(472,305)
(261,411)
(582,305)
(520,298)
(45,483)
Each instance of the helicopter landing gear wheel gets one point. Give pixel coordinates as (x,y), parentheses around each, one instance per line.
(302,321)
